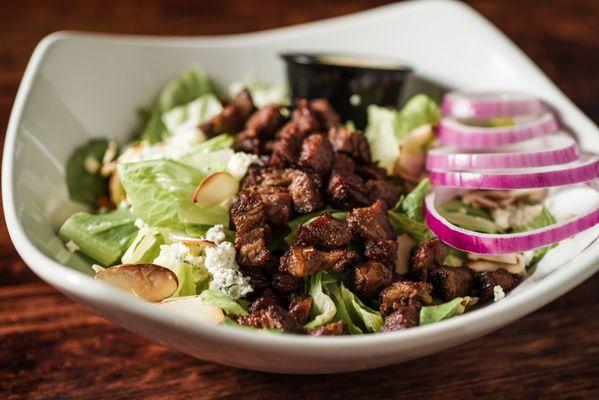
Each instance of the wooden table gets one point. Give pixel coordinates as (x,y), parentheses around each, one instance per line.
(51,347)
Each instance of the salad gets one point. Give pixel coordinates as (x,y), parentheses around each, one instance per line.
(260,213)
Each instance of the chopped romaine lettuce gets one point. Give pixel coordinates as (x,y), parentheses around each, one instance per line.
(545,218)
(188,86)
(86,184)
(470,222)
(412,205)
(388,128)
(219,299)
(187,118)
(333,289)
(144,248)
(365,317)
(103,237)
(416,229)
(161,192)
(457,306)
(263,93)
(323,308)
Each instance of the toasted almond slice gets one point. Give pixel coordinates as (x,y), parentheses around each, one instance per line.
(511,258)
(215,188)
(191,307)
(147,281)
(191,241)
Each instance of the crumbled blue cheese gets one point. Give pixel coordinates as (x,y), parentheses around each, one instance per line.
(498,293)
(71,246)
(176,253)
(239,163)
(216,234)
(226,277)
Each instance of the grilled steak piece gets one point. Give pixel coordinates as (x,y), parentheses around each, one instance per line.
(247,215)
(266,122)
(278,207)
(403,318)
(305,192)
(300,261)
(370,277)
(233,116)
(351,143)
(346,190)
(286,284)
(384,251)
(266,299)
(299,307)
(286,151)
(259,280)
(486,281)
(305,118)
(382,190)
(273,317)
(331,329)
(268,176)
(303,261)
(451,282)
(327,117)
(325,233)
(316,155)
(370,224)
(344,163)
(249,142)
(371,171)
(427,256)
(403,293)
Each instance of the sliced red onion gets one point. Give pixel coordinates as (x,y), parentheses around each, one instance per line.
(489,105)
(582,170)
(538,152)
(455,133)
(484,243)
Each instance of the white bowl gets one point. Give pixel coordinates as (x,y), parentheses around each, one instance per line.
(79,86)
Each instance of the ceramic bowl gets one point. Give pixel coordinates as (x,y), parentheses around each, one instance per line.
(79,86)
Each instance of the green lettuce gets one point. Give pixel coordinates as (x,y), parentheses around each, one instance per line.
(366,318)
(219,299)
(103,237)
(83,177)
(412,205)
(457,306)
(387,128)
(144,248)
(188,86)
(545,218)
(323,308)
(161,192)
(189,116)
(416,229)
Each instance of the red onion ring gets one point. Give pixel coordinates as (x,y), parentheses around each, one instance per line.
(584,169)
(489,105)
(538,152)
(454,133)
(484,243)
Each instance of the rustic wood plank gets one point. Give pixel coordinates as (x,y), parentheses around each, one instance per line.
(53,348)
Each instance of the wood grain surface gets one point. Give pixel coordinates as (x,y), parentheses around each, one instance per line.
(53,348)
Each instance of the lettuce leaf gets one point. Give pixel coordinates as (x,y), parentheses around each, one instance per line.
(416,229)
(144,248)
(545,218)
(323,308)
(219,299)
(342,313)
(187,118)
(103,237)
(457,306)
(161,192)
(188,86)
(83,177)
(412,205)
(366,318)
(387,128)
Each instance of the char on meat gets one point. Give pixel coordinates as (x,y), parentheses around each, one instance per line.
(371,171)
(382,190)
(259,279)
(302,261)
(370,277)
(346,190)
(278,207)
(325,233)
(266,121)
(285,283)
(486,281)
(233,116)
(351,143)
(428,255)
(403,318)
(273,317)
(403,293)
(247,215)
(331,329)
(299,307)
(265,300)
(287,149)
(451,282)
(384,251)
(370,224)
(305,190)
(344,163)
(327,117)
(316,155)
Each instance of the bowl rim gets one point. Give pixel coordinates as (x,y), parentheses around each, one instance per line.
(484,319)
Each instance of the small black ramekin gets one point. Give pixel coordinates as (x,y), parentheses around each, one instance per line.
(349,82)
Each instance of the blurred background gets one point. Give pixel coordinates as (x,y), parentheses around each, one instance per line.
(50,347)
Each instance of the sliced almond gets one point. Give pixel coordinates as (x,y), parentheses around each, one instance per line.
(201,243)
(147,281)
(511,258)
(215,188)
(116,189)
(404,248)
(191,307)
(481,265)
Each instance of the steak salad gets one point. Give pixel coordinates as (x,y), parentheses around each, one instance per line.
(261,214)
